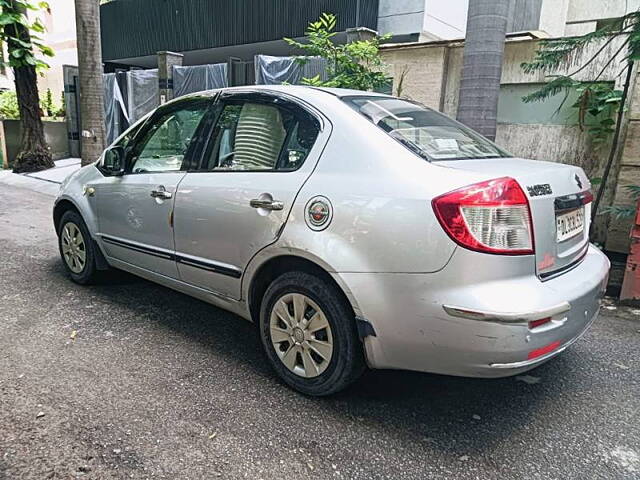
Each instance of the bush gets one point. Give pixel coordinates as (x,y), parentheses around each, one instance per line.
(9,105)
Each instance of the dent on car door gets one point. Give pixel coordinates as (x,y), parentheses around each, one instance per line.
(134,209)
(260,152)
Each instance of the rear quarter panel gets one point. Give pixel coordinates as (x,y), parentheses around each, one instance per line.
(381,197)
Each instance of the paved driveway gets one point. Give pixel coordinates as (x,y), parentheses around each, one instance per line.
(155,384)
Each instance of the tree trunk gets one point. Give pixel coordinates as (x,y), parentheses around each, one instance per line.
(482,65)
(34,152)
(90,70)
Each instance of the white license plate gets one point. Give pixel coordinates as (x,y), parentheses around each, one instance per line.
(569,224)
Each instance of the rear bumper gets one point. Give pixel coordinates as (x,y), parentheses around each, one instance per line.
(468,320)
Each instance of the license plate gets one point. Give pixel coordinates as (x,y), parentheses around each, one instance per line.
(569,224)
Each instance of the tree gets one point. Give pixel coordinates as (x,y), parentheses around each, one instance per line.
(595,97)
(23,44)
(90,70)
(354,65)
(482,65)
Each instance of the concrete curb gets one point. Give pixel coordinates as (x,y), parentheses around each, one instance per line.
(46,182)
(22,181)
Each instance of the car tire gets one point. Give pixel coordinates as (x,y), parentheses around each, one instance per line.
(77,249)
(293,308)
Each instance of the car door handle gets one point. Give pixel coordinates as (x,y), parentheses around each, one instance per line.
(161,193)
(266,204)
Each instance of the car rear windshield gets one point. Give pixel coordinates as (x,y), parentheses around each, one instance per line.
(426,132)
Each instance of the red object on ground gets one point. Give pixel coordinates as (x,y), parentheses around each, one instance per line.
(631,282)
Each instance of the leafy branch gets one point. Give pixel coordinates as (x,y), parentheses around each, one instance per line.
(21,35)
(356,65)
(624,211)
(597,100)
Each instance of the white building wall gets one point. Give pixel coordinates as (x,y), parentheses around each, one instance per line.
(401,17)
(445,19)
(589,10)
(60,35)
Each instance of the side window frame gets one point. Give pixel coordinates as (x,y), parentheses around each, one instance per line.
(195,146)
(224,99)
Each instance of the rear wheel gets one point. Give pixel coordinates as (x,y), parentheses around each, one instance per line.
(76,248)
(309,334)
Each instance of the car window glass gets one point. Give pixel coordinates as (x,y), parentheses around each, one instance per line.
(426,132)
(129,135)
(251,136)
(165,144)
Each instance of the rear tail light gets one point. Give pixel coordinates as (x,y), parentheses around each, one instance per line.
(491,217)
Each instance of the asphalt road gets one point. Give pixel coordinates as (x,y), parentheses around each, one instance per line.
(158,385)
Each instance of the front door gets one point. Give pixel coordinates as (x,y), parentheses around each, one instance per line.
(135,209)
(261,151)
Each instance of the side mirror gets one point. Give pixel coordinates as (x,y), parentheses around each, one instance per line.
(114,161)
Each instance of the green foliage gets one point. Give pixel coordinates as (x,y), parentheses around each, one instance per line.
(62,111)
(624,211)
(22,51)
(9,105)
(597,101)
(46,103)
(354,65)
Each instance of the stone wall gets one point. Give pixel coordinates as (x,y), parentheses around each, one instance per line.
(55,134)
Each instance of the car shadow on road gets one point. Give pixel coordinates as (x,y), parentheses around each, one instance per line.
(458,415)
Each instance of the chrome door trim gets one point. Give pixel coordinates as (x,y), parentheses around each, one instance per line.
(266,204)
(209,265)
(161,192)
(155,251)
(196,262)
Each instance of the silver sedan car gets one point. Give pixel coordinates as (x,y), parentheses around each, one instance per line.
(354,229)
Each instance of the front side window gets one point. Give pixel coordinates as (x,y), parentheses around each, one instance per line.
(164,146)
(256,136)
(426,132)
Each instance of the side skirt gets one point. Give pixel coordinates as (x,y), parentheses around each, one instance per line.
(226,303)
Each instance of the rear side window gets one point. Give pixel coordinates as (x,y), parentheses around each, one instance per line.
(260,136)
(426,132)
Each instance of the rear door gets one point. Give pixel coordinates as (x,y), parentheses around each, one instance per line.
(134,210)
(261,150)
(560,206)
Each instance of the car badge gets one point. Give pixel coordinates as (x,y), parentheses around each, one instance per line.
(578,181)
(537,190)
(318,213)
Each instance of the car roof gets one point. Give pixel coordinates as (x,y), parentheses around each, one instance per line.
(301,91)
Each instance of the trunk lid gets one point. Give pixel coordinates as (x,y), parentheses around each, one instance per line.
(557,207)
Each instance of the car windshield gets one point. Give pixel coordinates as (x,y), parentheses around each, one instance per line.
(426,132)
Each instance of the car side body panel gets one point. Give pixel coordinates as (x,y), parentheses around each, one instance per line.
(73,190)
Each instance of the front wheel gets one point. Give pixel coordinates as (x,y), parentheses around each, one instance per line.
(76,248)
(309,334)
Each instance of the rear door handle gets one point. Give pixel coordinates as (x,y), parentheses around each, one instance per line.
(267,204)
(161,193)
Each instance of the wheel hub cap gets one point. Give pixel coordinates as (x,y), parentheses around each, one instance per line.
(298,335)
(301,335)
(73,247)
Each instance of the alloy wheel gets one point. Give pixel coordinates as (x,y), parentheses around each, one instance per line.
(301,335)
(73,247)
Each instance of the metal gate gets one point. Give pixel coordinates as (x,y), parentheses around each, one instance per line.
(72,108)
